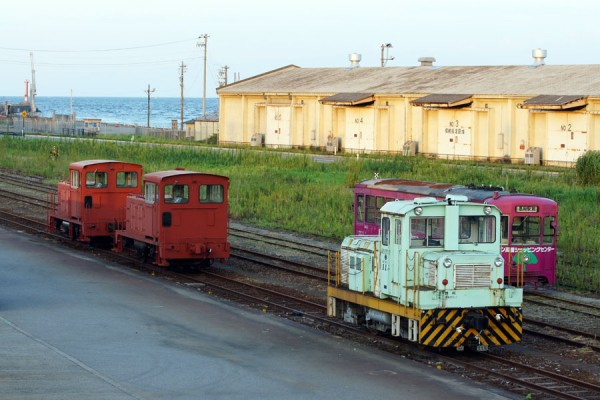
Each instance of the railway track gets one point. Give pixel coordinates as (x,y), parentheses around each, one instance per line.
(270,298)
(525,379)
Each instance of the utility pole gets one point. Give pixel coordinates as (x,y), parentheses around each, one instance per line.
(205,37)
(385,47)
(33,88)
(223,76)
(182,69)
(148,92)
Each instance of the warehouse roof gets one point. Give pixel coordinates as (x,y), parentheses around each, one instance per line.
(582,80)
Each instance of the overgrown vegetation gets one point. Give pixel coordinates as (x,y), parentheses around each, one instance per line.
(300,194)
(588,168)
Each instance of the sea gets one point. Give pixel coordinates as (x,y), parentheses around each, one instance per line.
(124,110)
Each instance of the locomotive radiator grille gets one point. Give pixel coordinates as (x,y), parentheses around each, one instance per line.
(472,275)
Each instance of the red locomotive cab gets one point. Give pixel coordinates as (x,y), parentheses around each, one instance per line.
(183,219)
(91,203)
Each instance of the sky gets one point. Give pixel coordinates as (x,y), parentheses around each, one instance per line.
(118,48)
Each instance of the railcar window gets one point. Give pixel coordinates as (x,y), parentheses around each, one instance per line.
(427,232)
(385,231)
(75,179)
(150,193)
(549,230)
(526,230)
(211,194)
(380,202)
(371,209)
(477,229)
(178,194)
(127,179)
(96,179)
(360,208)
(504,228)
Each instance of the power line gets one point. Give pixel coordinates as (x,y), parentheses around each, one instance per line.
(99,64)
(96,50)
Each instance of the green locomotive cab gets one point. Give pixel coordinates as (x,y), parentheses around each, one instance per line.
(434,275)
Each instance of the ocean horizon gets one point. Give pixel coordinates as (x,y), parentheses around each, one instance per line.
(124,110)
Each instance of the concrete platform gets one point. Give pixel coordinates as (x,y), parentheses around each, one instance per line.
(75,327)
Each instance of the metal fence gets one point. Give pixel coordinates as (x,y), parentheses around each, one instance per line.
(68,127)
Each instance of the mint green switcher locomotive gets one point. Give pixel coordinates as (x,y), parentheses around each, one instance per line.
(434,276)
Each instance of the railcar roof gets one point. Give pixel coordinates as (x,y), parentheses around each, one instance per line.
(523,199)
(434,189)
(87,163)
(161,175)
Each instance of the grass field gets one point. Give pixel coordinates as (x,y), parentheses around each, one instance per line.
(296,193)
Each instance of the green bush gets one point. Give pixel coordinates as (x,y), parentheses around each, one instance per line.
(588,168)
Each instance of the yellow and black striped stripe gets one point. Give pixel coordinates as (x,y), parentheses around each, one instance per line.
(449,328)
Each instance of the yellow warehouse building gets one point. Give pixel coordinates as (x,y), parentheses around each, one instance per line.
(532,114)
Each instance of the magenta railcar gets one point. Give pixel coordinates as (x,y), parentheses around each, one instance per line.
(529,223)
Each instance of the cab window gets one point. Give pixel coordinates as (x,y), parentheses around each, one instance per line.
(526,230)
(75,179)
(178,194)
(360,208)
(371,209)
(477,229)
(427,232)
(549,230)
(96,179)
(127,179)
(150,193)
(504,228)
(398,231)
(211,194)
(385,231)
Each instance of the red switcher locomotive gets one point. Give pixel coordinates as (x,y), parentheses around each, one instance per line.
(90,206)
(181,219)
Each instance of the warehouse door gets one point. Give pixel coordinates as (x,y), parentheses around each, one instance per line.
(567,137)
(454,134)
(359,129)
(278,126)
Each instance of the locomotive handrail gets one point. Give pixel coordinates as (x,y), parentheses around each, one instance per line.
(416,265)
(375,266)
(336,266)
(363,275)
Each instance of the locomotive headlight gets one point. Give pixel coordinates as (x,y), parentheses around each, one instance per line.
(419,210)
(498,261)
(447,262)
(487,210)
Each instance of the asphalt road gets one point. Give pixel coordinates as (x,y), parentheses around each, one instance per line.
(76,327)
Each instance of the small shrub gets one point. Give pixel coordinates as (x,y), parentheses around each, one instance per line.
(588,168)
